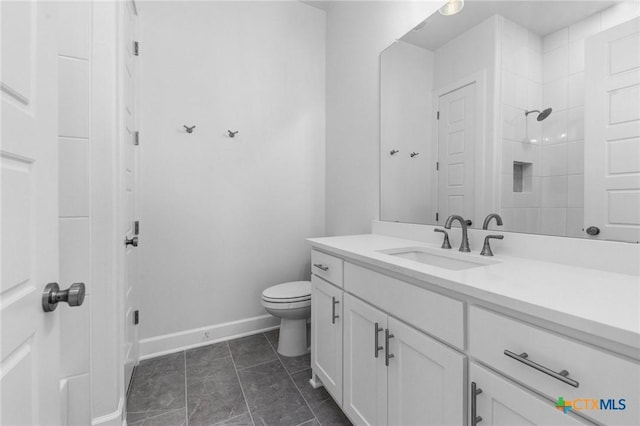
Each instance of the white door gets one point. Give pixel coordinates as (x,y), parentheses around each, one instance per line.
(30,360)
(612,133)
(456,150)
(326,335)
(365,374)
(426,380)
(501,403)
(129,181)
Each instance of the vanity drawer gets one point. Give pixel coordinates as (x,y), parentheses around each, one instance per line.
(437,315)
(599,375)
(327,267)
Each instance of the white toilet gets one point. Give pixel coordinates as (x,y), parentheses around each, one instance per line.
(292,303)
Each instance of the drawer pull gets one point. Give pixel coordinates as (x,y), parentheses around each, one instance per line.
(475,391)
(334,302)
(524,358)
(378,348)
(387,355)
(321,267)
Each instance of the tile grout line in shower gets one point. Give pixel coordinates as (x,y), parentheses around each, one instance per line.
(244,396)
(186,397)
(293,381)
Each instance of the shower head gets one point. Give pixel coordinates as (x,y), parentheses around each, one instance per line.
(541,115)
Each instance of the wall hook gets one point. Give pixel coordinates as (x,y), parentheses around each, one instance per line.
(189,129)
(233,134)
(393,152)
(413,154)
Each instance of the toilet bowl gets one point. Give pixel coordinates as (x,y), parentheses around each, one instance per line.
(291,302)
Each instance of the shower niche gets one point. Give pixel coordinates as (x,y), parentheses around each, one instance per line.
(522,177)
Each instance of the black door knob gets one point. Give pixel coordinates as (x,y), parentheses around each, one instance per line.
(593,230)
(131,241)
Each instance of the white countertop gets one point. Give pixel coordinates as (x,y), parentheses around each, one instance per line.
(596,302)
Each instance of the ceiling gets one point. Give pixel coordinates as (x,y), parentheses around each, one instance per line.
(540,16)
(318,4)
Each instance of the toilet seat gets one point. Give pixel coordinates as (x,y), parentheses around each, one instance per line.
(288,293)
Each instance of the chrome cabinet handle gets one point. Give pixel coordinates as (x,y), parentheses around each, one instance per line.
(321,267)
(387,355)
(52,294)
(475,391)
(524,358)
(131,242)
(334,302)
(376,330)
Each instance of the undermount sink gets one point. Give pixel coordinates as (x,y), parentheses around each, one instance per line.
(439,258)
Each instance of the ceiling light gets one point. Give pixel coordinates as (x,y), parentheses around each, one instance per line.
(452,7)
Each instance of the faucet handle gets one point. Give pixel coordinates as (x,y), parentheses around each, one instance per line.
(445,243)
(486,248)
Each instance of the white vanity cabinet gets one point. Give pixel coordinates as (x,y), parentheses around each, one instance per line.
(326,335)
(396,349)
(365,384)
(396,375)
(500,402)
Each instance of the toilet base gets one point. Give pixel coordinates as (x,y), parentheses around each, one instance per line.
(293,337)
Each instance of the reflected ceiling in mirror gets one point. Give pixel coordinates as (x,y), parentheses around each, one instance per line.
(525,108)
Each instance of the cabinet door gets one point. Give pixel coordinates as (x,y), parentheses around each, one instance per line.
(326,335)
(426,379)
(365,374)
(502,403)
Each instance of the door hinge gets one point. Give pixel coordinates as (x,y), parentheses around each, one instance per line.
(136,317)
(136,48)
(136,138)
(438,115)
(437,216)
(136,227)
(437,165)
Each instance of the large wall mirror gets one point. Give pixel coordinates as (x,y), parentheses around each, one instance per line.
(530,109)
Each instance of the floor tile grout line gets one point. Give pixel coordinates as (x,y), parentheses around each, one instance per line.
(186,397)
(246,401)
(294,383)
(261,363)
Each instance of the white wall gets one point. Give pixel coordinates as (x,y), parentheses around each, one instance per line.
(222,219)
(406,117)
(473,55)
(356,34)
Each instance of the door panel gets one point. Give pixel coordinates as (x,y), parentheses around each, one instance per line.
(426,380)
(326,335)
(456,152)
(612,129)
(29,358)
(365,376)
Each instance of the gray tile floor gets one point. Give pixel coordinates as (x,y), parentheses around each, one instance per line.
(240,382)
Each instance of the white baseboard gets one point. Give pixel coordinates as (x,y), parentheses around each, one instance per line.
(112,419)
(174,342)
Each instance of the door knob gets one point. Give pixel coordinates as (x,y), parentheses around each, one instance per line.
(131,241)
(52,294)
(593,230)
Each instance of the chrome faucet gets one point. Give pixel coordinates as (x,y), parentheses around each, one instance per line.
(464,244)
(485,224)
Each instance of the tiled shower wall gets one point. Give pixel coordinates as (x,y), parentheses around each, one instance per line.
(74,72)
(521,71)
(555,203)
